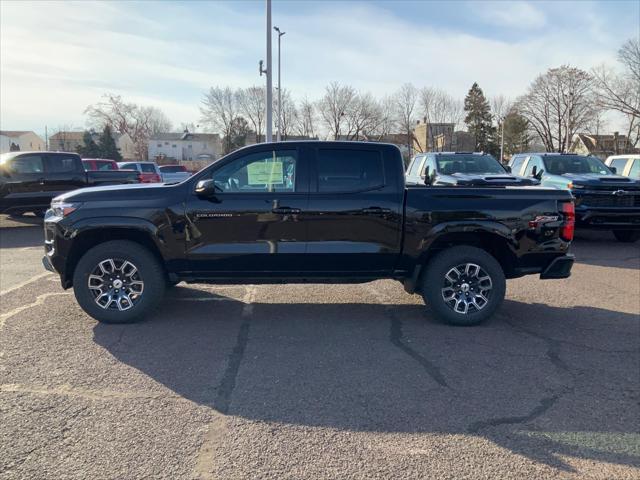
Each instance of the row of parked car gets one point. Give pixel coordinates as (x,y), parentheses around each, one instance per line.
(604,199)
(29,180)
(149,172)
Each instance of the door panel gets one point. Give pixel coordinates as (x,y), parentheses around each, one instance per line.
(63,173)
(253,225)
(24,182)
(353,232)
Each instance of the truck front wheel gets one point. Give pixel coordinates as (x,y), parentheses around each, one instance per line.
(118,282)
(463,285)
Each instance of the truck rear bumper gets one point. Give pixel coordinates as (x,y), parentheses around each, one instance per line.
(559,267)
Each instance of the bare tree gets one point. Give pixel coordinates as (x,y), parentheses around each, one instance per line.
(305,119)
(558,104)
(139,122)
(220,110)
(252,102)
(405,102)
(288,114)
(334,106)
(439,107)
(620,92)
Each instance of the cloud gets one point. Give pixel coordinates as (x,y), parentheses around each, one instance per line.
(520,15)
(57,58)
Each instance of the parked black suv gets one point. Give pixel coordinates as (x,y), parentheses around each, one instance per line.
(29,180)
(461,169)
(603,199)
(317,212)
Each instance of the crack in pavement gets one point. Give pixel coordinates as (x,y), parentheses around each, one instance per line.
(396,337)
(217,428)
(545,404)
(38,301)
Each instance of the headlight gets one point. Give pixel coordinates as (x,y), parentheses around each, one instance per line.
(64,209)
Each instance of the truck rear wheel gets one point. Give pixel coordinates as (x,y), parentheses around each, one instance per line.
(463,285)
(627,236)
(118,282)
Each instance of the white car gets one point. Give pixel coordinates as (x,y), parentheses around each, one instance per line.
(174,173)
(627,165)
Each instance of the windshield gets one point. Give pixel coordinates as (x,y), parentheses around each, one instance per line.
(450,164)
(575,164)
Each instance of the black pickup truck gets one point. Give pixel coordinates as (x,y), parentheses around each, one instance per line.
(316,212)
(603,199)
(462,169)
(29,180)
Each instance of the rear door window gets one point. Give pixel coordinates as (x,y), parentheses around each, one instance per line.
(349,170)
(148,168)
(61,163)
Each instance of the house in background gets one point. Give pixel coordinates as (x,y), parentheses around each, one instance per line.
(194,150)
(425,135)
(70,142)
(22,140)
(601,146)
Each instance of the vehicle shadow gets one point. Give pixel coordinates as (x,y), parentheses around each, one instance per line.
(541,381)
(600,248)
(14,236)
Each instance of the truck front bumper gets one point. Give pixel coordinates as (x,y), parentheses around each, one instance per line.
(559,267)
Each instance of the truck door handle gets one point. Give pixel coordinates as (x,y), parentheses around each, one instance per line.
(41,181)
(375,211)
(286,210)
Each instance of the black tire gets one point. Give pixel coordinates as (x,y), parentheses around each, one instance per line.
(435,284)
(627,236)
(149,272)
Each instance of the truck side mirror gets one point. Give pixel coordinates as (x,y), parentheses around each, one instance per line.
(614,170)
(206,188)
(425,177)
(537,174)
(507,168)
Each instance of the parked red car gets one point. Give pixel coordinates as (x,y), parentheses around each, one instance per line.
(148,171)
(95,164)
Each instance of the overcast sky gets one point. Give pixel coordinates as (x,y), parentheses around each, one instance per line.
(58,57)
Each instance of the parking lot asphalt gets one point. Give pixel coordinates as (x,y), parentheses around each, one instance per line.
(322,381)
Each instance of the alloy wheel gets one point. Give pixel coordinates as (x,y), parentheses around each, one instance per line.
(116,284)
(466,288)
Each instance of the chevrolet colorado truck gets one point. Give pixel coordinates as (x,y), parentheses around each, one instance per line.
(29,180)
(603,199)
(314,212)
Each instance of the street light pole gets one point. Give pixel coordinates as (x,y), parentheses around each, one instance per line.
(502,140)
(280,34)
(269,82)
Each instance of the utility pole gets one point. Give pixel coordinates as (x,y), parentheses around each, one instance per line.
(280,34)
(502,139)
(46,138)
(269,81)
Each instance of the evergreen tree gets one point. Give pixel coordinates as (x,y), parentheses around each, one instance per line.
(238,133)
(478,119)
(517,137)
(90,149)
(108,148)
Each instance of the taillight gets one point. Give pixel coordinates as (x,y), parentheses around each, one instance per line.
(569,225)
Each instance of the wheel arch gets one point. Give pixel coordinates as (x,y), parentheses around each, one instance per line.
(496,242)
(86,238)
